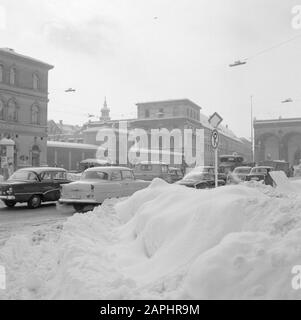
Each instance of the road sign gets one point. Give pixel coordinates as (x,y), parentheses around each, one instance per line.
(214,139)
(215,120)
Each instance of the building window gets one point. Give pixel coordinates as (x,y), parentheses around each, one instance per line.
(175,111)
(1,110)
(161,113)
(12,111)
(35,81)
(1,73)
(12,76)
(35,114)
(146,113)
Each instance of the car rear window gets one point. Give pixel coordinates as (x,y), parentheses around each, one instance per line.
(100,175)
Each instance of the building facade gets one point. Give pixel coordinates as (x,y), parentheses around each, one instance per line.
(23,109)
(172,114)
(278,139)
(68,155)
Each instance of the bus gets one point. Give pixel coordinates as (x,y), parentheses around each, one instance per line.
(227,163)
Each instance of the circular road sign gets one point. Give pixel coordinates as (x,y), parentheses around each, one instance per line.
(214,139)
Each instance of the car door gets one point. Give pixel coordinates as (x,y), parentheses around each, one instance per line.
(47,186)
(114,187)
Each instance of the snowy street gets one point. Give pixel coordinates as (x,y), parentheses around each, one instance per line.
(21,220)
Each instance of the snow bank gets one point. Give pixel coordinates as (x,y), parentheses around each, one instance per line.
(166,241)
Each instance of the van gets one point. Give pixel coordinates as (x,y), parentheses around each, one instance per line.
(146,170)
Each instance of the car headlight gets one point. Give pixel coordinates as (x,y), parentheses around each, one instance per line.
(10,191)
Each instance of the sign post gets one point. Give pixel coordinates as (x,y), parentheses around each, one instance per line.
(214,144)
(215,121)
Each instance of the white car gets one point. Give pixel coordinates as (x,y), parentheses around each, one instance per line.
(100,183)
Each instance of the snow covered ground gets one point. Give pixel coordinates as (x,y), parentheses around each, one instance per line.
(165,242)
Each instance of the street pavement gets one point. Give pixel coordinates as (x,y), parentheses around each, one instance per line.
(21,220)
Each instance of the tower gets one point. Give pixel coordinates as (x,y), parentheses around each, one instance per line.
(105,111)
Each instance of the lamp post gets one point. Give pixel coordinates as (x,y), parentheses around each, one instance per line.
(252,132)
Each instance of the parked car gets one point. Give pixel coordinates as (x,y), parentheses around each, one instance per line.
(33,185)
(209,170)
(200,180)
(238,175)
(261,173)
(176,174)
(100,183)
(278,165)
(149,170)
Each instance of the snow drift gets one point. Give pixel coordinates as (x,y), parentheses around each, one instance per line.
(167,241)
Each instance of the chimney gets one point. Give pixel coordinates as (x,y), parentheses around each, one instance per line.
(61,122)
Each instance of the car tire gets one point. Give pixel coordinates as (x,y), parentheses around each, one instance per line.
(10,203)
(34,202)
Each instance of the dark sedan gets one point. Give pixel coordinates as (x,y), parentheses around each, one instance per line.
(261,173)
(199,180)
(33,185)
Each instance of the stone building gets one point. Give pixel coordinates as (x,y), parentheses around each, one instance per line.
(278,139)
(23,109)
(172,114)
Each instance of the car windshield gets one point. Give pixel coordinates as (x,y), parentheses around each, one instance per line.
(242,170)
(99,175)
(24,175)
(196,176)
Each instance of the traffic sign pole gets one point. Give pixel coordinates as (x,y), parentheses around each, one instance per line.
(215,143)
(215,168)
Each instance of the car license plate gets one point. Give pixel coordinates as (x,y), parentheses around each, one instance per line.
(75,197)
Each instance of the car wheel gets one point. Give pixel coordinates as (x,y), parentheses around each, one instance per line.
(9,203)
(34,202)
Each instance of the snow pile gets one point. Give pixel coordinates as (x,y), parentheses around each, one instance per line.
(166,241)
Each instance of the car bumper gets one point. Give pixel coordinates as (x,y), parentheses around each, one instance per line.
(7,197)
(87,201)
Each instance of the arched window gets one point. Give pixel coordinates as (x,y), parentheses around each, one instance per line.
(35,81)
(12,111)
(1,73)
(12,76)
(35,114)
(1,110)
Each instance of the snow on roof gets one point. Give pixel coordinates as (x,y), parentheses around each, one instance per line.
(60,144)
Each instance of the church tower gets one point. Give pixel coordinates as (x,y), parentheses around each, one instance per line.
(105,112)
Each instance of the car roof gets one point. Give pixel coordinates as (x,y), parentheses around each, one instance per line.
(107,169)
(263,167)
(243,167)
(41,169)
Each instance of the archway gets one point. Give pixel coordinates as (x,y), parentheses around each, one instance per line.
(292,145)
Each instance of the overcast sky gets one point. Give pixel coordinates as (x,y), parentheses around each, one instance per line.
(118,49)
